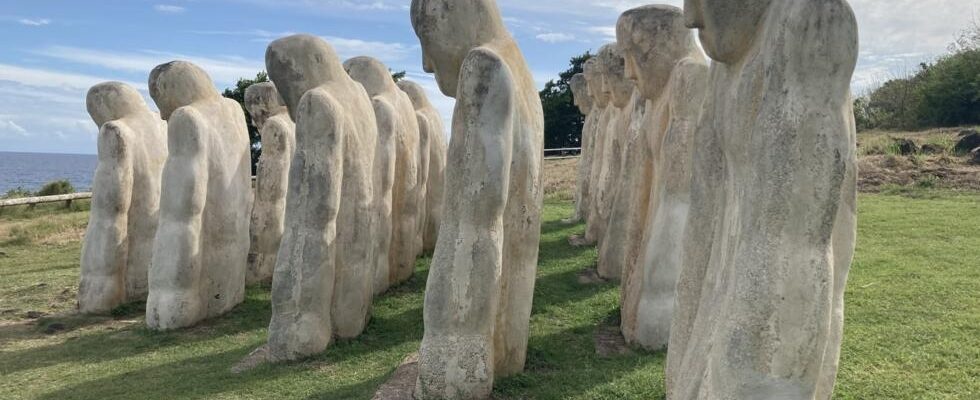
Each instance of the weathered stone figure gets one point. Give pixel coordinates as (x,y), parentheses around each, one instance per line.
(672,74)
(770,234)
(626,109)
(605,139)
(201,246)
(126,201)
(397,125)
(278,132)
(478,297)
(583,100)
(592,154)
(437,161)
(323,282)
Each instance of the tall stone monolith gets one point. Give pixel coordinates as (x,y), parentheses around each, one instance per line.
(201,247)
(397,186)
(479,292)
(324,278)
(436,181)
(671,73)
(584,102)
(118,244)
(770,234)
(270,115)
(626,108)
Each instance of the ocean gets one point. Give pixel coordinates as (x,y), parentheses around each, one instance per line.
(32,170)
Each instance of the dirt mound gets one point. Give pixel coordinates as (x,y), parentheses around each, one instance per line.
(879,171)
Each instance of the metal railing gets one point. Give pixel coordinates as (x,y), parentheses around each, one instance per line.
(563,156)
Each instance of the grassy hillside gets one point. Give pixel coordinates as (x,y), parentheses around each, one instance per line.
(913,321)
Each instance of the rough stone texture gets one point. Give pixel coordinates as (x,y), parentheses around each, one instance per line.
(671,74)
(278,131)
(201,246)
(118,243)
(627,109)
(401,384)
(605,147)
(591,149)
(770,234)
(583,100)
(395,169)
(478,296)
(323,282)
(436,181)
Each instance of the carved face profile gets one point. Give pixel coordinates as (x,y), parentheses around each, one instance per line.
(111,101)
(448,30)
(415,92)
(178,84)
(593,76)
(580,93)
(263,102)
(299,63)
(370,73)
(653,39)
(727,28)
(615,84)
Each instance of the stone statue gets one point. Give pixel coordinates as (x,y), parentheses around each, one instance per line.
(770,234)
(323,282)
(397,125)
(591,149)
(201,246)
(278,131)
(671,73)
(478,297)
(118,243)
(583,100)
(626,107)
(596,72)
(437,161)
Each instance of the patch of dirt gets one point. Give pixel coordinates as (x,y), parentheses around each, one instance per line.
(254,359)
(590,277)
(401,384)
(609,342)
(70,234)
(878,171)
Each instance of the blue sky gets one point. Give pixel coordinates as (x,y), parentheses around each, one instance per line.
(51,51)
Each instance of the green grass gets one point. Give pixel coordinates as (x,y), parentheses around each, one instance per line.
(913,325)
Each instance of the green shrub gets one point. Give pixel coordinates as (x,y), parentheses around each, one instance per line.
(17,193)
(56,188)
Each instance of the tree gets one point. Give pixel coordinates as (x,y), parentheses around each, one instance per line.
(397,76)
(237,93)
(562,119)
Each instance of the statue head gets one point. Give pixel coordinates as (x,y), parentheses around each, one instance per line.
(299,63)
(414,92)
(371,73)
(614,82)
(263,102)
(178,84)
(448,30)
(593,76)
(727,28)
(110,101)
(580,93)
(653,39)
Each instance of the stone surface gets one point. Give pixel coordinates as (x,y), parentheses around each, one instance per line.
(278,131)
(407,190)
(323,282)
(606,145)
(671,73)
(967,140)
(583,100)
(626,110)
(771,230)
(401,384)
(591,150)
(201,246)
(118,244)
(397,194)
(436,182)
(478,297)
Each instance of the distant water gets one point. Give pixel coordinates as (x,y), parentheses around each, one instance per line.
(32,170)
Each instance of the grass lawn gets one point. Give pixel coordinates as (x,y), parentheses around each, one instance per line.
(913,322)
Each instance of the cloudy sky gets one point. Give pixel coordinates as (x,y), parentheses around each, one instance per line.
(53,51)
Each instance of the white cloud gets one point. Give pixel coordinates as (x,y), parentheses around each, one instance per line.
(12,127)
(384,51)
(51,79)
(555,37)
(223,69)
(603,33)
(34,22)
(169,9)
